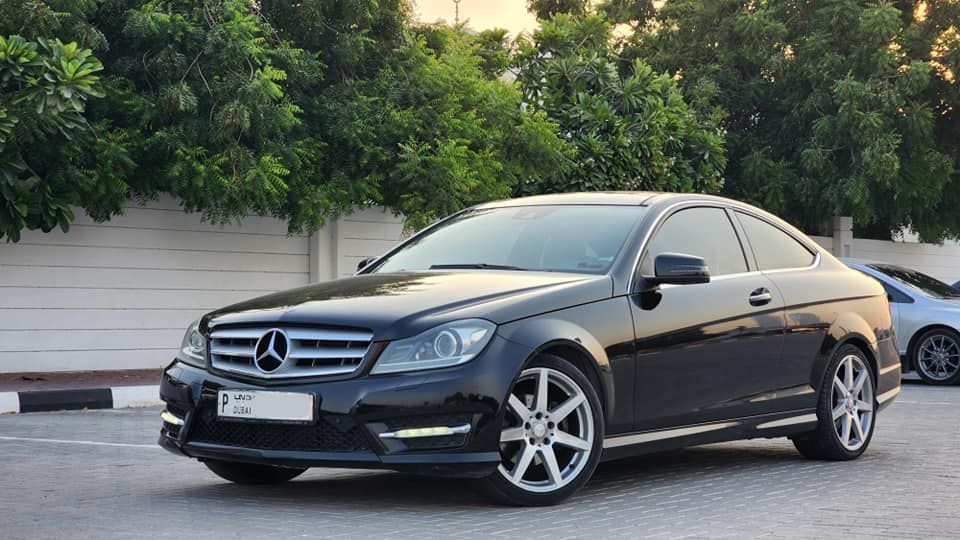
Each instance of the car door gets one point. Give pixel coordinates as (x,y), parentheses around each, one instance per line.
(810,304)
(708,351)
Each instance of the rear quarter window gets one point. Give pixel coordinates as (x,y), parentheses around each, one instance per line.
(774,248)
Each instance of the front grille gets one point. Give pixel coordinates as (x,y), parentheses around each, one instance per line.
(312,352)
(338,434)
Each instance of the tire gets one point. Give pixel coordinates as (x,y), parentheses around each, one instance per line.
(251,473)
(936,356)
(836,411)
(529,435)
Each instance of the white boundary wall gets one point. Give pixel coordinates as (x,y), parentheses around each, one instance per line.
(118,295)
(939,261)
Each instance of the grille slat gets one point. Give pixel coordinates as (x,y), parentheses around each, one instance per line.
(233,350)
(299,353)
(313,352)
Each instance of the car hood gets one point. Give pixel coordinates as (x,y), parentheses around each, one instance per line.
(399,305)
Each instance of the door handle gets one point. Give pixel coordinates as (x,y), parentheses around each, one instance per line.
(760,297)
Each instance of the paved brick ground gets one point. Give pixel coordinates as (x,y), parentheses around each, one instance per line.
(906,486)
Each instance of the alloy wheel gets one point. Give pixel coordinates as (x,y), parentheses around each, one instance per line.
(939,357)
(853,402)
(548,431)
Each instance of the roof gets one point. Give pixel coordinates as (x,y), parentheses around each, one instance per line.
(619,198)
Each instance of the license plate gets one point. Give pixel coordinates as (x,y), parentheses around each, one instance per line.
(257,405)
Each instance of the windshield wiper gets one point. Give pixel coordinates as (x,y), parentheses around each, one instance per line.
(478,266)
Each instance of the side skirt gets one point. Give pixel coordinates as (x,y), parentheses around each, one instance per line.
(751,427)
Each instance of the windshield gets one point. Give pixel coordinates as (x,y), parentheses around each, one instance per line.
(928,285)
(566,238)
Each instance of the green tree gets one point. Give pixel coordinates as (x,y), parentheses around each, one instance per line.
(432,134)
(629,128)
(546,9)
(296,110)
(839,107)
(44,88)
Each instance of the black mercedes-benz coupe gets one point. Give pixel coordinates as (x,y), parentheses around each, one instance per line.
(522,342)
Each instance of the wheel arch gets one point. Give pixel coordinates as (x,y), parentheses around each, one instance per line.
(573,353)
(847,329)
(573,344)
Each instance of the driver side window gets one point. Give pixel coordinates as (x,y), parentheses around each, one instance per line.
(704,232)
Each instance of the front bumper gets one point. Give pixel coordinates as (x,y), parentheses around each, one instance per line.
(351,415)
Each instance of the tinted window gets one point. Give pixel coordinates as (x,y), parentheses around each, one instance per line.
(560,238)
(704,232)
(917,280)
(896,296)
(893,295)
(773,247)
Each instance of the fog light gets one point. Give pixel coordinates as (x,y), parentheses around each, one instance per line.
(170,418)
(436,431)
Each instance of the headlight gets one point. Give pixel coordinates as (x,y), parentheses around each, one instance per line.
(193,349)
(444,346)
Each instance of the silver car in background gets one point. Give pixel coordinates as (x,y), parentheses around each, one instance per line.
(926,319)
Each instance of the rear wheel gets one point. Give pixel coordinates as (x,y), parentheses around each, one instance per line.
(846,409)
(551,438)
(251,473)
(936,356)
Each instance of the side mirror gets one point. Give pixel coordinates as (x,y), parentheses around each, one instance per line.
(365,262)
(679,269)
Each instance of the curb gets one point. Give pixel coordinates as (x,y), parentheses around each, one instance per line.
(117,397)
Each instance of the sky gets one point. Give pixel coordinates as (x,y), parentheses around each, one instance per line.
(482,14)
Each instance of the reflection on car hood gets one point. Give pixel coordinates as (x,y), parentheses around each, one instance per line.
(402,304)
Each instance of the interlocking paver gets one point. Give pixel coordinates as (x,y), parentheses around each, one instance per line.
(906,486)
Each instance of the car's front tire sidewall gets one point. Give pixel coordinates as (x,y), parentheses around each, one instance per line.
(506,492)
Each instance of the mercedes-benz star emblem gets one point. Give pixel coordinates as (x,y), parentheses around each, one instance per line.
(271,351)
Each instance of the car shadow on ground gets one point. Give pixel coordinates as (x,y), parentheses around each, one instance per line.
(342,489)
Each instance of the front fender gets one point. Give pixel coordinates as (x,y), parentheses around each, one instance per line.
(549,332)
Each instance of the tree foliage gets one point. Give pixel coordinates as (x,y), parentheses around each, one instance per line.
(295,110)
(839,107)
(444,136)
(546,9)
(629,128)
(44,88)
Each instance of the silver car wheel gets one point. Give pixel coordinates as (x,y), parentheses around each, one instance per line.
(852,402)
(939,357)
(548,433)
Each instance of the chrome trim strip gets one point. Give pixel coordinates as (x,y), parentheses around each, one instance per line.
(321,334)
(811,266)
(890,368)
(887,396)
(790,421)
(446,431)
(171,418)
(626,440)
(736,275)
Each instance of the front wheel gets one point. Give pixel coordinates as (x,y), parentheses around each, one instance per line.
(937,356)
(251,473)
(552,435)
(846,409)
